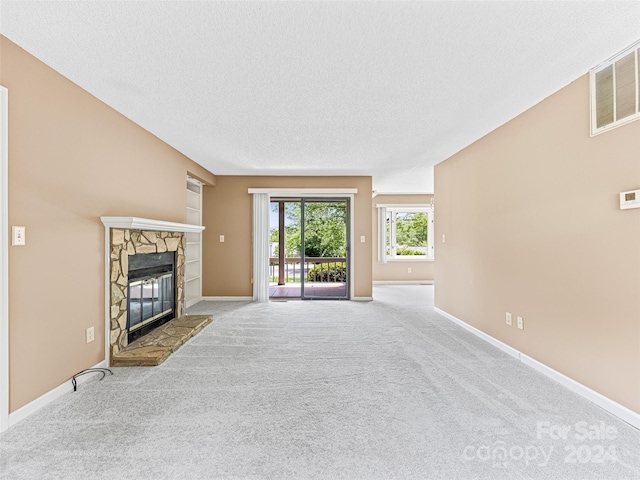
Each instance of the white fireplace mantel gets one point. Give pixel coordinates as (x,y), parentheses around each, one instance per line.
(136,223)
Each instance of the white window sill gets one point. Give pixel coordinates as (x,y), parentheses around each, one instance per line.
(409,259)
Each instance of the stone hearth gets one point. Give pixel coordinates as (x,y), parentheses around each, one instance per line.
(155,348)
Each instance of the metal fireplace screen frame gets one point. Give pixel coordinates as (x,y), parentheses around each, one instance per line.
(151,292)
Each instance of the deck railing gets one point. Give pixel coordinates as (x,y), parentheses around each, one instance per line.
(315,269)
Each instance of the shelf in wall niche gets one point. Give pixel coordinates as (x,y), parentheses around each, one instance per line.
(136,223)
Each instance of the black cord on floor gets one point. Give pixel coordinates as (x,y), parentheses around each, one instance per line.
(103,371)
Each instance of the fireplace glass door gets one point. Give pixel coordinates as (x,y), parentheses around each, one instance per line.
(151,292)
(150,299)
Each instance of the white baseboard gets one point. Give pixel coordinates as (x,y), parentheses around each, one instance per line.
(611,406)
(403,282)
(228,299)
(487,338)
(193,301)
(614,408)
(249,299)
(32,407)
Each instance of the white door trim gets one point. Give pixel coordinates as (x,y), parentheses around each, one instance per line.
(305,192)
(349,193)
(4,259)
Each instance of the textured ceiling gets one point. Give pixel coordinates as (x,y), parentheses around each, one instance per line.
(386,89)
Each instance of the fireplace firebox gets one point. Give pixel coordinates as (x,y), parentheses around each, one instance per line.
(151,292)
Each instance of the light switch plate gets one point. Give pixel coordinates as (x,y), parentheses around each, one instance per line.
(18,236)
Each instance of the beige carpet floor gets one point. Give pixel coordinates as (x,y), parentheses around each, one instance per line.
(323,390)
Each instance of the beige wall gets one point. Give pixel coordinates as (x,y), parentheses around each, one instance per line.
(71,160)
(533,226)
(227,211)
(396,271)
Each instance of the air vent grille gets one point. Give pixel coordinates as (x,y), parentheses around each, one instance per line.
(615,91)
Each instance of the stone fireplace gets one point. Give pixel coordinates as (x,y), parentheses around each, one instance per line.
(145,277)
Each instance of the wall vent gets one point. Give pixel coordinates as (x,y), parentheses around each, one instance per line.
(615,90)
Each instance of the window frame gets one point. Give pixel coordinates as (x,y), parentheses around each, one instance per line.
(595,130)
(391,212)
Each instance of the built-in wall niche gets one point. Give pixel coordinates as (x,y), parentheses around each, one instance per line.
(193,251)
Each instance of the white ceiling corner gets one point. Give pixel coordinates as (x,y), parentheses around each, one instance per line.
(386,89)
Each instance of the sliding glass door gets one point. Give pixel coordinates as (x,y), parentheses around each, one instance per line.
(285,229)
(325,248)
(309,241)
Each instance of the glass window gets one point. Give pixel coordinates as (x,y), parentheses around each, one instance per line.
(407,234)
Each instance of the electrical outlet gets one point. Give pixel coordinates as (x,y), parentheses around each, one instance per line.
(90,335)
(409,270)
(508,319)
(221,238)
(520,323)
